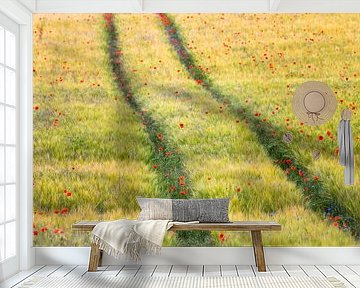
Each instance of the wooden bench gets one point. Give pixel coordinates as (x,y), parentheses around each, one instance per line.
(255,227)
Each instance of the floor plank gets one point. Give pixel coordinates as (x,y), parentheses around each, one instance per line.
(294,271)
(278,270)
(129,271)
(62,271)
(46,271)
(178,270)
(212,270)
(20,277)
(261,274)
(352,277)
(112,271)
(195,271)
(162,271)
(146,271)
(100,270)
(228,270)
(328,271)
(355,268)
(79,271)
(311,271)
(245,271)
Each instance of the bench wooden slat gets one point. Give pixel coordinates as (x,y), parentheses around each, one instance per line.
(255,227)
(231,226)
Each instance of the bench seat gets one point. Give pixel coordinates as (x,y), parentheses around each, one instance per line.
(254,227)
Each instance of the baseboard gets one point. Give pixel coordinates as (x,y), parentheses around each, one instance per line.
(209,256)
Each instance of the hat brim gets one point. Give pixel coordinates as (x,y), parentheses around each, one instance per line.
(316,116)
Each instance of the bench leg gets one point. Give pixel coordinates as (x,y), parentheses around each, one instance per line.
(258,250)
(95,258)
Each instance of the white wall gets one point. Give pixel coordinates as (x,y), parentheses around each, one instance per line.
(211,256)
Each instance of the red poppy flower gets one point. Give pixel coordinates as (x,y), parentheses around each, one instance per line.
(56,231)
(36,107)
(316,178)
(336,224)
(288,161)
(56,122)
(56,211)
(238,189)
(68,194)
(293,168)
(154,166)
(328,133)
(159,136)
(184,192)
(35,233)
(198,81)
(337,218)
(222,237)
(172,188)
(44,229)
(181,125)
(301,173)
(321,138)
(64,210)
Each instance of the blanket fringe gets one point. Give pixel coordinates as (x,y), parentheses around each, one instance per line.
(133,248)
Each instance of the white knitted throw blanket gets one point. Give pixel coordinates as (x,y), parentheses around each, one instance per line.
(130,237)
(346,150)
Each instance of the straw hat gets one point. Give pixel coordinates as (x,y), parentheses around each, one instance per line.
(314,103)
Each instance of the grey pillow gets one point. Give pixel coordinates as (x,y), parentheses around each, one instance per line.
(185,210)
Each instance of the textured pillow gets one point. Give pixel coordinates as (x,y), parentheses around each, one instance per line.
(155,209)
(184,210)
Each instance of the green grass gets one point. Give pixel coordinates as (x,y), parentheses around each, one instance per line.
(166,160)
(259,68)
(103,153)
(220,153)
(99,150)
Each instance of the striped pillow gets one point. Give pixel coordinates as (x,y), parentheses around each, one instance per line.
(185,210)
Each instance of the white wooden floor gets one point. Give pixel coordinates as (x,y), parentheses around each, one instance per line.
(348,274)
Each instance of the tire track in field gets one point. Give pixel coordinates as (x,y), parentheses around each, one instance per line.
(168,164)
(269,136)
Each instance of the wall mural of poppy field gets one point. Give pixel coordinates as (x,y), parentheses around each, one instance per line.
(193,106)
